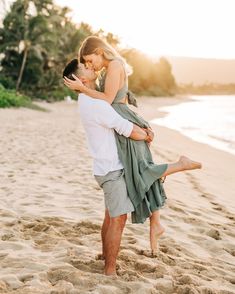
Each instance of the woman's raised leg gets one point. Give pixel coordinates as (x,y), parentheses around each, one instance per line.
(184,163)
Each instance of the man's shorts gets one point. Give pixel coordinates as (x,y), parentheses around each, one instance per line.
(115,193)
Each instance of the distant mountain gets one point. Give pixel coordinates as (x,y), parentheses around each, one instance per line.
(201,71)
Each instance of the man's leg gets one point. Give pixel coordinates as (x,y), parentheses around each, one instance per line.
(118,203)
(104,230)
(112,242)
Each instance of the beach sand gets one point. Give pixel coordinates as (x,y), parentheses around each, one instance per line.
(52,209)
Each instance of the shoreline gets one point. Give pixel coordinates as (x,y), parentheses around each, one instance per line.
(52,210)
(208,153)
(209,139)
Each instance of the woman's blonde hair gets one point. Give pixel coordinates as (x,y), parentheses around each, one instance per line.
(92,45)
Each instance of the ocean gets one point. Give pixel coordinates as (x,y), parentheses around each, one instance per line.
(206,119)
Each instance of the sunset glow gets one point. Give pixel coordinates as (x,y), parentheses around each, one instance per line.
(194,28)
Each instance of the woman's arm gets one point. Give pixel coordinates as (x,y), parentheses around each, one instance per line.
(112,82)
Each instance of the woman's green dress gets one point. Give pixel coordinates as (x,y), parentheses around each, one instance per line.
(142,175)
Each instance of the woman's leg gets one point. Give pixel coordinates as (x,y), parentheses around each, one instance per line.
(184,163)
(156,230)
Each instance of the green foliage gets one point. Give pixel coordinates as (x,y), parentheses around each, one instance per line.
(207,89)
(149,78)
(7,82)
(37,43)
(9,98)
(57,95)
(36,47)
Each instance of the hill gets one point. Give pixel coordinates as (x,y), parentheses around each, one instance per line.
(201,70)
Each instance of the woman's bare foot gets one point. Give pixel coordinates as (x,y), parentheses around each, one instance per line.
(155,234)
(184,163)
(188,164)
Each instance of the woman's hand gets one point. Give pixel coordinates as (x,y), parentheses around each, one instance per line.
(150,134)
(75,85)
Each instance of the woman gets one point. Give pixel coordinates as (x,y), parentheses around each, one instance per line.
(143,176)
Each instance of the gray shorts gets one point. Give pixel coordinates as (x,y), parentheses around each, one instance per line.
(115,193)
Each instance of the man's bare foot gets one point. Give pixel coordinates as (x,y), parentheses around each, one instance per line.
(188,164)
(154,253)
(111,272)
(100,256)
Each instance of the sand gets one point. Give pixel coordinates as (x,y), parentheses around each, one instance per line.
(51,212)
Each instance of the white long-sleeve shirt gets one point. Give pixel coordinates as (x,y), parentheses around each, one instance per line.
(100,120)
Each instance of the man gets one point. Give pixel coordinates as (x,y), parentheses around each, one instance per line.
(100,120)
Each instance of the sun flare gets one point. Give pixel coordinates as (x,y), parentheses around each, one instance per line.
(156,27)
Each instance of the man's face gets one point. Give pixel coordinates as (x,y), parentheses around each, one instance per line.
(87,73)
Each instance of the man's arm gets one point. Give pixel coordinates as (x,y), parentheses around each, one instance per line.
(109,118)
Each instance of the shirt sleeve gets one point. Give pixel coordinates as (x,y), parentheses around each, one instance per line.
(109,118)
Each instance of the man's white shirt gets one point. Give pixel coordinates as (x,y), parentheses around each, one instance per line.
(100,120)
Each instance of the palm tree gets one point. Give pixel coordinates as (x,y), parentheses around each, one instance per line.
(26,29)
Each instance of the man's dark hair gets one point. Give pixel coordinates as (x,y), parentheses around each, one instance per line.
(71,68)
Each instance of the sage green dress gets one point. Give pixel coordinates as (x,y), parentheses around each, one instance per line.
(142,175)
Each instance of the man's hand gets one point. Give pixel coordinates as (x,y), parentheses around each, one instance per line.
(75,85)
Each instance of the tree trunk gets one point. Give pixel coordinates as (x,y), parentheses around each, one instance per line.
(22,68)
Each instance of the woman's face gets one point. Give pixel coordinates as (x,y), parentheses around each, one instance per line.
(94,61)
(87,72)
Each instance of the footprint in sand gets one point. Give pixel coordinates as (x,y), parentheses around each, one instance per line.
(176,208)
(215,234)
(91,266)
(195,213)
(231,251)
(54,275)
(230,216)
(25,277)
(188,279)
(86,228)
(194,265)
(49,231)
(193,220)
(165,258)
(128,275)
(8,236)
(129,240)
(143,266)
(219,208)
(190,289)
(169,250)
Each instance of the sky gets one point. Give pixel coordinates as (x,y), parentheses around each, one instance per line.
(191,28)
